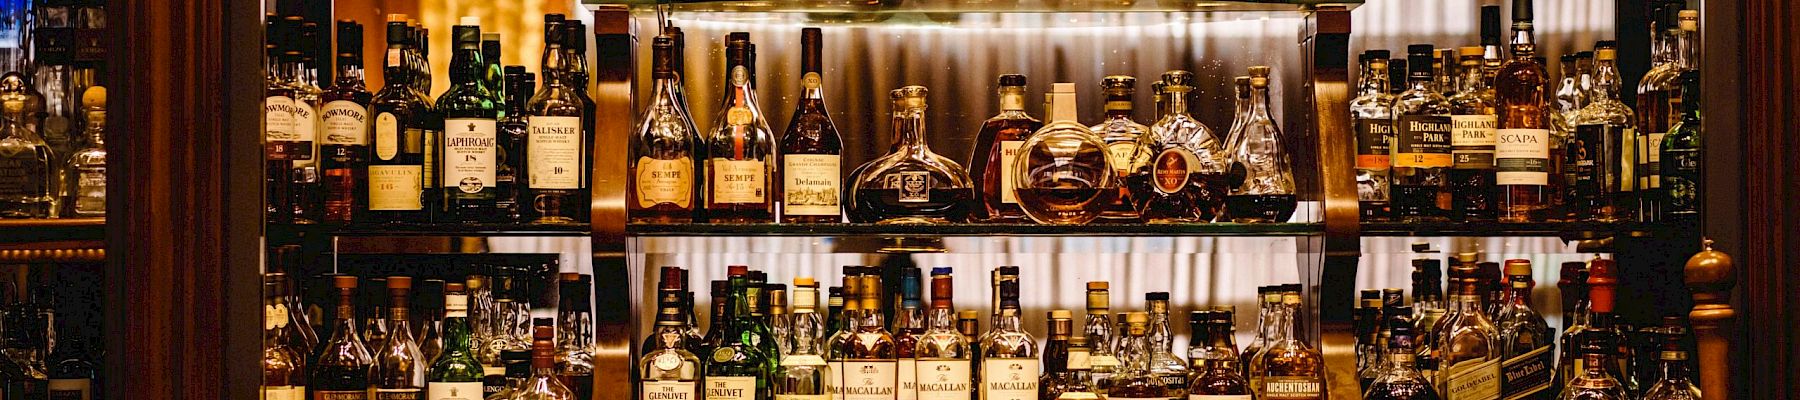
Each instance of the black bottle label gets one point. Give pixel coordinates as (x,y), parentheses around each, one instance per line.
(1422,141)
(1373,138)
(1527,374)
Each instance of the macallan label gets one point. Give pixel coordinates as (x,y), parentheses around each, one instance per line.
(869,380)
(664,182)
(906,378)
(399,394)
(835,380)
(387,136)
(914,186)
(810,184)
(1374,138)
(1293,388)
(730,388)
(1171,168)
(453,391)
(341,395)
(1422,141)
(1527,374)
(1125,157)
(943,379)
(1473,380)
(1009,151)
(1472,141)
(661,390)
(346,123)
(395,188)
(471,154)
(553,153)
(739,181)
(1522,157)
(83,389)
(1009,379)
(278,119)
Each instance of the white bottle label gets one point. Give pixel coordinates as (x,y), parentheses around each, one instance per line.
(869,380)
(275,317)
(269,393)
(810,184)
(1009,379)
(456,306)
(397,394)
(306,121)
(1472,141)
(1653,169)
(943,380)
(657,390)
(730,388)
(906,378)
(395,188)
(453,391)
(1473,380)
(1218,397)
(346,123)
(665,181)
(1103,361)
(835,380)
(553,152)
(470,154)
(739,181)
(278,119)
(1009,151)
(387,136)
(1522,157)
(432,154)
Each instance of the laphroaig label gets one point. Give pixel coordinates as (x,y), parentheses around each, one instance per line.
(869,380)
(1473,380)
(1422,141)
(730,388)
(1472,141)
(1527,374)
(906,377)
(664,181)
(1522,157)
(471,154)
(1293,388)
(658,390)
(453,391)
(346,123)
(553,152)
(1374,138)
(1009,151)
(810,184)
(1009,379)
(943,380)
(739,181)
(395,188)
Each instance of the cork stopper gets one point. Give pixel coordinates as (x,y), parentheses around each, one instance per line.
(94,97)
(1259,76)
(396,18)
(1061,314)
(1098,298)
(469,20)
(1098,285)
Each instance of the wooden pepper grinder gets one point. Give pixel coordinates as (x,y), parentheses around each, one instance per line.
(1709,278)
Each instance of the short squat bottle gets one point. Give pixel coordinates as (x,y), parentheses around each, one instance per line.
(912,184)
(1061,174)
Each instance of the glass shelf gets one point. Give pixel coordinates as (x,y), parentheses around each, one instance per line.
(49,230)
(883,10)
(942,230)
(431,229)
(1563,230)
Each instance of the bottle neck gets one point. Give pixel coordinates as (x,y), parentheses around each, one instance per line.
(910,319)
(942,319)
(1674,370)
(1012,98)
(553,65)
(1008,319)
(1136,350)
(1099,329)
(1061,107)
(1119,107)
(873,320)
(909,130)
(1606,79)
(1594,365)
(1177,103)
(1472,76)
(1523,48)
(350,72)
(1258,104)
(395,70)
(466,66)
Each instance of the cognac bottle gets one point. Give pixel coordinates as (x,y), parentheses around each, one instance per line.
(1185,178)
(742,147)
(995,147)
(912,184)
(810,175)
(1121,135)
(665,151)
(1061,174)
(1263,187)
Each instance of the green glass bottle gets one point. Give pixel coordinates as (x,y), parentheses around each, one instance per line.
(471,144)
(456,374)
(735,369)
(1681,158)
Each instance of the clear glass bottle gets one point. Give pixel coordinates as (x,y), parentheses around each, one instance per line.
(668,371)
(1468,361)
(470,148)
(665,152)
(1135,379)
(1602,330)
(1291,369)
(741,147)
(1264,191)
(1267,302)
(342,368)
(1569,97)
(1400,379)
(575,332)
(1674,383)
(1473,125)
(53,29)
(1121,135)
(735,369)
(398,370)
(1216,376)
(803,373)
(1100,333)
(553,169)
(1372,114)
(1061,174)
(996,144)
(84,177)
(1239,114)
(1604,148)
(810,184)
(870,363)
(1526,345)
(511,320)
(1523,156)
(1659,99)
(943,353)
(1055,378)
(1421,149)
(1080,383)
(912,184)
(456,374)
(781,318)
(1681,152)
(543,383)
(1009,359)
(28,167)
(1185,177)
(1163,362)
(1594,381)
(283,369)
(909,325)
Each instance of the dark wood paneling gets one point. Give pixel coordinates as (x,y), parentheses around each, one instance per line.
(1768,109)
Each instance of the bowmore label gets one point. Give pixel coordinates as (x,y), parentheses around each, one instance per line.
(1473,380)
(453,391)
(1528,374)
(1374,138)
(553,152)
(739,181)
(1009,379)
(869,380)
(471,154)
(810,184)
(306,121)
(654,390)
(1472,141)
(730,388)
(278,119)
(346,123)
(943,380)
(1293,388)
(1522,157)
(1009,152)
(1422,141)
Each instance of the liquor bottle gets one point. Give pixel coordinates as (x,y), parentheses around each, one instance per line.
(1491,57)
(870,362)
(1568,98)
(1184,180)
(1009,359)
(667,370)
(996,145)
(1163,362)
(1443,63)
(1055,379)
(1267,301)
(1659,101)
(576,49)
(513,130)
(803,372)
(74,373)
(1080,382)
(1061,173)
(553,141)
(810,148)
(1529,369)
(1422,158)
(1673,382)
(284,370)
(470,150)
(511,319)
(1603,329)
(1522,155)
(1134,379)
(1098,329)
(1240,113)
(1681,147)
(718,322)
(912,184)
(1473,125)
(735,369)
(299,58)
(52,33)
(1468,355)
(1573,286)
(504,386)
(1263,188)
(84,176)
(1291,369)
(1372,113)
(456,374)
(740,146)
(1216,376)
(398,370)
(756,322)
(575,332)
(1604,148)
(665,150)
(428,318)
(1397,73)
(909,326)
(1122,135)
(433,134)
(543,383)
(1400,379)
(834,309)
(781,318)
(1594,381)
(397,172)
(1368,325)
(942,354)
(27,163)
(1493,292)
(481,323)
(342,369)
(344,145)
(287,121)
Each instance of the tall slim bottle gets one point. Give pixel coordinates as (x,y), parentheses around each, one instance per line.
(1267,302)
(1422,158)
(1522,157)
(456,374)
(554,139)
(284,143)
(1009,360)
(736,369)
(1185,179)
(1055,379)
(909,326)
(803,373)
(1372,113)
(398,371)
(1473,125)
(575,332)
(397,170)
(996,144)
(1529,367)
(870,364)
(942,354)
(345,143)
(668,371)
(1265,190)
(470,148)
(665,150)
(342,369)
(514,130)
(1163,362)
(1681,148)
(1121,134)
(1605,146)
(1135,380)
(741,148)
(1099,330)
(811,183)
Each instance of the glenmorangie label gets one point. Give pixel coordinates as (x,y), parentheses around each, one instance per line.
(470,154)
(738,181)
(665,181)
(1522,157)
(810,184)
(402,394)
(1373,143)
(1472,141)
(658,390)
(869,380)
(1293,388)
(553,152)
(346,123)
(1527,374)
(453,391)
(1473,380)
(943,380)
(1422,141)
(1009,379)
(341,395)
(730,388)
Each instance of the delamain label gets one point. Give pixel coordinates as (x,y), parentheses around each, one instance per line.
(553,153)
(658,390)
(739,181)
(387,136)
(470,154)
(395,188)
(1374,138)
(346,123)
(1293,388)
(869,380)
(1009,379)
(665,181)
(1522,157)
(1527,374)
(341,395)
(810,184)
(943,379)
(453,391)
(730,388)
(1009,151)
(1473,380)
(1422,141)
(1472,140)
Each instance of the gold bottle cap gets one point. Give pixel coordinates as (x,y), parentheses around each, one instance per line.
(967,314)
(1688,20)
(13,106)
(1467,51)
(344,282)
(1137,318)
(1259,76)
(1518,267)
(1606,54)
(1290,298)
(805,281)
(94,97)
(396,18)
(1098,285)
(1062,314)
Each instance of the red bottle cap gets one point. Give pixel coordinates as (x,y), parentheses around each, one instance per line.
(1602,278)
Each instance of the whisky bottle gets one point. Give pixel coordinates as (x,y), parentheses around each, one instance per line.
(870,362)
(1602,329)
(1009,359)
(282,143)
(1215,375)
(1100,333)
(1061,173)
(1673,382)
(1522,152)
(803,373)
(735,368)
(495,75)
(781,318)
(1443,63)
(909,326)
(996,144)
(1263,187)
(1572,284)
(342,369)
(575,332)
(1566,102)
(943,351)
(1122,136)
(1291,369)
(1529,366)
(810,148)
(1368,326)
(554,138)
(669,288)
(1080,382)
(755,320)
(1167,366)
(1605,148)
(1681,149)
(665,150)
(1469,358)
(456,374)
(1134,379)
(1184,180)
(1473,125)
(513,130)
(912,184)
(1421,150)
(517,368)
(1055,379)
(469,151)
(1267,301)
(741,146)
(344,145)
(397,170)
(1493,292)
(1659,102)
(481,325)
(667,370)
(1491,57)
(543,383)
(398,370)
(1372,114)
(1399,378)
(283,368)
(1594,380)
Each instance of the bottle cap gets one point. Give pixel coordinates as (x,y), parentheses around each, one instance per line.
(453,287)
(1061,314)
(805,281)
(1290,298)
(940,271)
(757,277)
(1157,296)
(1516,267)
(737,270)
(1469,51)
(1118,83)
(1378,55)
(94,97)
(343,282)
(1689,20)
(1137,318)
(1012,80)
(1177,81)
(1098,285)
(909,97)
(1521,11)
(1490,25)
(1260,71)
(469,20)
(399,282)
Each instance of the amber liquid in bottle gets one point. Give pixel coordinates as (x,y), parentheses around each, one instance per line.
(665,161)
(811,183)
(346,131)
(999,138)
(1522,156)
(741,146)
(1473,125)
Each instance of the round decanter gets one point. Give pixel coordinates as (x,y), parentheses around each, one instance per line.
(1063,174)
(910,185)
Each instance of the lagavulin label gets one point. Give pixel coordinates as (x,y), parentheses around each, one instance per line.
(1522,157)
(1009,151)
(470,154)
(730,388)
(1422,141)
(1473,380)
(553,153)
(739,181)
(664,181)
(943,380)
(1009,379)
(869,380)
(1293,388)
(395,188)
(810,184)
(657,390)
(1527,374)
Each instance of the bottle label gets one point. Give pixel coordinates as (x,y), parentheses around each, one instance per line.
(341,395)
(665,181)
(730,388)
(395,188)
(914,186)
(1373,140)
(387,136)
(82,389)
(1422,141)
(661,390)
(1009,151)
(791,359)
(811,80)
(399,394)
(268,393)
(456,306)
(802,397)
(1522,157)
(1125,157)
(1652,173)
(553,152)
(429,147)
(810,184)
(346,123)
(1629,145)
(739,181)
(470,154)
(906,378)
(453,391)
(1079,360)
(943,380)
(836,380)
(1103,362)
(278,119)
(1092,396)
(1682,181)
(1218,397)
(1009,379)
(1293,388)
(1472,380)
(306,122)
(275,316)
(1528,374)
(869,380)
(1174,381)
(1473,141)
(1171,168)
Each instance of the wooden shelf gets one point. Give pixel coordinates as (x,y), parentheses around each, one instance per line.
(430,230)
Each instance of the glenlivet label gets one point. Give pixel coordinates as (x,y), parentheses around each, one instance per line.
(730,388)
(667,390)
